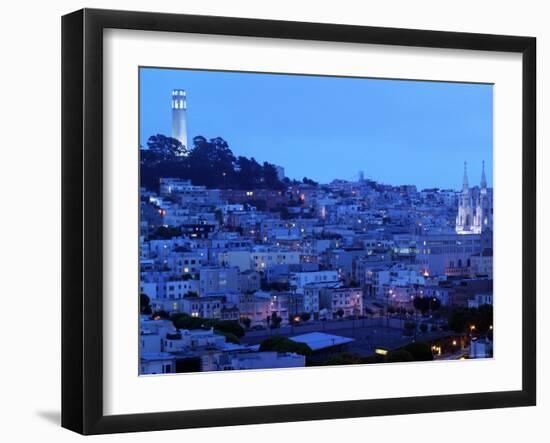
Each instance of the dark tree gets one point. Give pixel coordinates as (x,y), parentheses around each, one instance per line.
(284,344)
(276,286)
(165,147)
(270,176)
(305,316)
(185,321)
(166,232)
(285,214)
(419,351)
(426,304)
(219,216)
(144,304)
(199,142)
(227,326)
(229,337)
(461,319)
(161,315)
(375,358)
(192,364)
(344,358)
(250,173)
(399,355)
(409,328)
(211,163)
(246,322)
(308,181)
(275,321)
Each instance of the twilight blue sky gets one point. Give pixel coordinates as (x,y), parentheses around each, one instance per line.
(397,132)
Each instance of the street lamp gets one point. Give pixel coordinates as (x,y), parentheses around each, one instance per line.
(388,293)
(472,329)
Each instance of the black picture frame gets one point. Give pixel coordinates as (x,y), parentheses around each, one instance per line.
(82,215)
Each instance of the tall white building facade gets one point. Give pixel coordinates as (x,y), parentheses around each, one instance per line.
(179,116)
(484,210)
(475,213)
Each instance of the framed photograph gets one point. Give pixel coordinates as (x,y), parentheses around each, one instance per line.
(269,221)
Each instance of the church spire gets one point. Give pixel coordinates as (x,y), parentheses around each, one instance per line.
(465,186)
(465,217)
(483,178)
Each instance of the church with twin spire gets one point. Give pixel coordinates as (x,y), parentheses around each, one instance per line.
(475,209)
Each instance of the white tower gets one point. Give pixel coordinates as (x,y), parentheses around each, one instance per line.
(465,216)
(483,219)
(179,116)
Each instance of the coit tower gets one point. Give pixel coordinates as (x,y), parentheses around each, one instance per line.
(179,116)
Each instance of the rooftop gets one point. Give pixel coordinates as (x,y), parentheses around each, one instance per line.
(320,340)
(152,356)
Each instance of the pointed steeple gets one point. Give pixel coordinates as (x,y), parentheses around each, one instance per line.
(465,186)
(483,178)
(465,218)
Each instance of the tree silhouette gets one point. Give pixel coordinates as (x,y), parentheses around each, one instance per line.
(165,146)
(284,344)
(460,319)
(210,163)
(425,304)
(275,321)
(144,304)
(419,351)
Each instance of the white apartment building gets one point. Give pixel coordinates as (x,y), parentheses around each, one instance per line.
(204,307)
(299,280)
(447,254)
(150,342)
(157,363)
(239,258)
(482,263)
(218,280)
(264,360)
(262,260)
(348,301)
(173,185)
(189,340)
(480,299)
(177,289)
(187,262)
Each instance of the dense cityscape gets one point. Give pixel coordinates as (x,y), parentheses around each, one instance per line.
(243,268)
